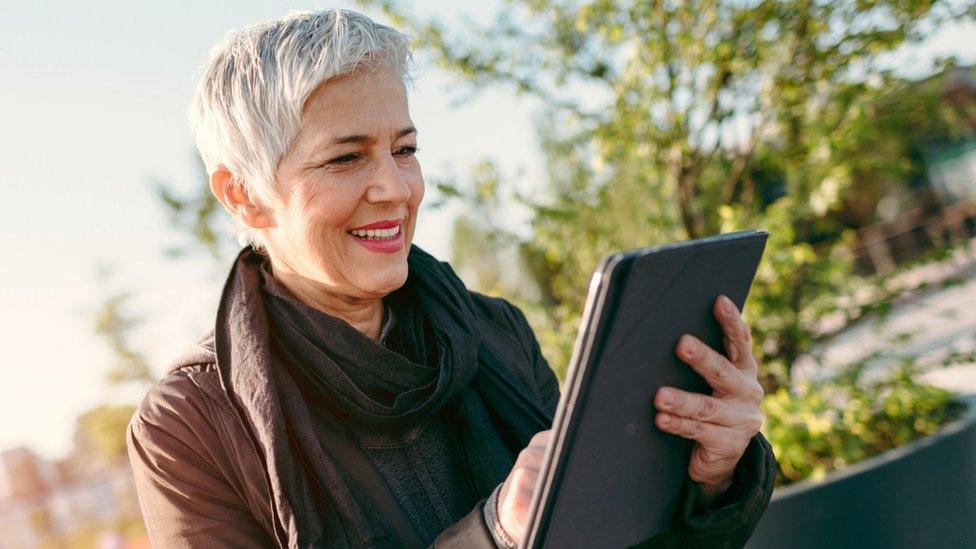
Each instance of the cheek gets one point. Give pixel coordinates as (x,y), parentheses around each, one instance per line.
(417,189)
(417,197)
(320,225)
(413,205)
(330,211)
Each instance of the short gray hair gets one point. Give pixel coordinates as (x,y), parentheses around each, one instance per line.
(246,111)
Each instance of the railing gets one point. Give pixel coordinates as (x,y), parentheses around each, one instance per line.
(883,245)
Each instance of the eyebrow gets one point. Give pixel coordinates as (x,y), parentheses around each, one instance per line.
(359,138)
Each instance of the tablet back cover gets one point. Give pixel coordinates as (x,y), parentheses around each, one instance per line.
(617,480)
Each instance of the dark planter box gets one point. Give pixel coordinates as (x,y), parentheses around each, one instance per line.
(920,495)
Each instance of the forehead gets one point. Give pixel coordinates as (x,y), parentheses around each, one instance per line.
(372,103)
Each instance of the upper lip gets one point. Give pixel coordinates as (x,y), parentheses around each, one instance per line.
(385,224)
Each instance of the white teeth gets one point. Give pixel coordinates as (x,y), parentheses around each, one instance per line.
(376,234)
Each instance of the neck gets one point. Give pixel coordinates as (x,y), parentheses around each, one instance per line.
(365,315)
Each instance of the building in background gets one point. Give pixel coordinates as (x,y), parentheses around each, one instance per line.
(951,163)
(74,502)
(928,128)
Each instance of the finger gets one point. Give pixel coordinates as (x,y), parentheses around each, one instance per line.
(530,456)
(523,485)
(519,496)
(696,406)
(692,405)
(717,439)
(527,489)
(541,438)
(719,373)
(524,476)
(738,339)
(708,409)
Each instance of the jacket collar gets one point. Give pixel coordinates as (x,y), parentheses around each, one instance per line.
(201,352)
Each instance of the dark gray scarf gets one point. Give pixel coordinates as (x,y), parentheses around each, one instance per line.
(283,361)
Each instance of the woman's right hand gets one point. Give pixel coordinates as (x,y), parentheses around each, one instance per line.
(515,496)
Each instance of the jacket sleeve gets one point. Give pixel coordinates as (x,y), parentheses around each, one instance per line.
(731,522)
(185,501)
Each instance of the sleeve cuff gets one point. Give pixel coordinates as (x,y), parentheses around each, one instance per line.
(498,534)
(730,521)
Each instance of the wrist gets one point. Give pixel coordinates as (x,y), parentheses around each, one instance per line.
(713,491)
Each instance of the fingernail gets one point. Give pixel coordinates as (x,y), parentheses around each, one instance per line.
(728,305)
(688,346)
(664,419)
(666,397)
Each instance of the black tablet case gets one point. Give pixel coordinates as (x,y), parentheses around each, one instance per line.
(611,478)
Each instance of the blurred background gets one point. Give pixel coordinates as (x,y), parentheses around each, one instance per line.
(552,133)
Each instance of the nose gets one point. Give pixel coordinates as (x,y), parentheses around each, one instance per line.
(390,183)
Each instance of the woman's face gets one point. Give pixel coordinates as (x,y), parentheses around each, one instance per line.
(350,187)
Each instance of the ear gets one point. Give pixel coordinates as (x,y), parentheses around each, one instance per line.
(233,196)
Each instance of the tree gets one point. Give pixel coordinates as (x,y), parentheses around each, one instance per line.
(99,437)
(666,120)
(113,324)
(100,434)
(196,215)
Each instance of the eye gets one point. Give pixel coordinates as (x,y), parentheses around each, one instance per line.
(408,150)
(344,159)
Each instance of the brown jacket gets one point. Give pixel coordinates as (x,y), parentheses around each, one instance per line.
(201,481)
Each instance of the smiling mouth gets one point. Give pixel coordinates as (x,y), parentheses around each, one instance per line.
(377,234)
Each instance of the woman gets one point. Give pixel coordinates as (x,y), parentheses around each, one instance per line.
(353,392)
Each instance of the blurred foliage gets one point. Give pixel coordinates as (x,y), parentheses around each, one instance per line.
(100,433)
(91,534)
(113,324)
(827,425)
(197,215)
(670,120)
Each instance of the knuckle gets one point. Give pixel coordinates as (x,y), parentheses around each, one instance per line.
(708,408)
(741,333)
(520,506)
(529,454)
(539,440)
(528,464)
(513,509)
(519,476)
(722,371)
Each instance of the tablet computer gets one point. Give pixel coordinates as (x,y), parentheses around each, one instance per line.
(609,477)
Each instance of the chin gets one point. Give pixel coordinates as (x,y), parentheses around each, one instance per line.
(387,280)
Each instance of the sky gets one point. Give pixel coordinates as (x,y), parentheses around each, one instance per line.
(93,98)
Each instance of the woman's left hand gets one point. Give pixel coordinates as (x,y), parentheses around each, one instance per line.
(721,424)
